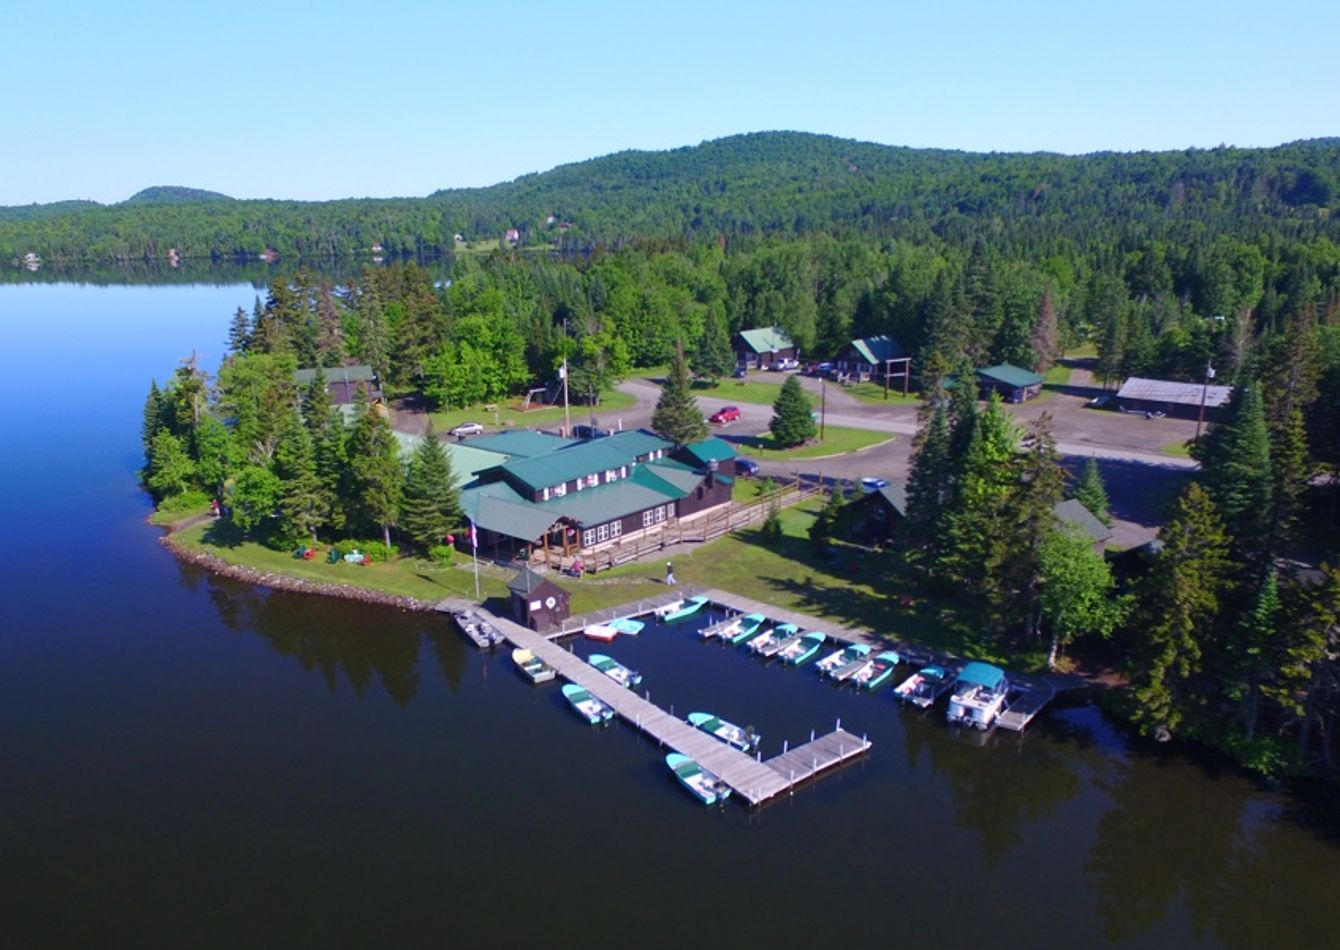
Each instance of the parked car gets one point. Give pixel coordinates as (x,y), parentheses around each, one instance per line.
(589,432)
(869,485)
(821,369)
(724,414)
(1100,402)
(740,372)
(744,466)
(784,364)
(467,428)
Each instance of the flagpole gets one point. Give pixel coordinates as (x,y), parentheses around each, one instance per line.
(474,555)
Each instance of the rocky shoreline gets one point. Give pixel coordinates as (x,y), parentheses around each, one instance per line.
(286,582)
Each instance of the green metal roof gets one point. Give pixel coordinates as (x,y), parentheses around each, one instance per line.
(638,443)
(896,496)
(680,477)
(577,461)
(592,506)
(521,443)
(527,580)
(1072,511)
(466,462)
(766,339)
(495,507)
(1011,375)
(710,449)
(337,374)
(876,349)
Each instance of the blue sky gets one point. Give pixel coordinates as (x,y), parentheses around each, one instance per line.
(334,99)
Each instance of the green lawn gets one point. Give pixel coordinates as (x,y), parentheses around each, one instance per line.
(874,393)
(510,415)
(836,441)
(1058,375)
(740,390)
(1181,450)
(180,507)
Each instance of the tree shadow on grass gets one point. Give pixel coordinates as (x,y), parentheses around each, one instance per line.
(222,533)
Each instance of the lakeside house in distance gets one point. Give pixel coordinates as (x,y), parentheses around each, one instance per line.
(342,382)
(1181,400)
(548,497)
(761,347)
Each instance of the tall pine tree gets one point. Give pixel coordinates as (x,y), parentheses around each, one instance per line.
(792,415)
(677,416)
(431,505)
(376,477)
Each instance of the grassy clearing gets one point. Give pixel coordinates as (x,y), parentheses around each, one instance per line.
(180,507)
(836,441)
(509,414)
(1058,375)
(1085,351)
(1181,450)
(856,587)
(874,393)
(740,390)
(407,577)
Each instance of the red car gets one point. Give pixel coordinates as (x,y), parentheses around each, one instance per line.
(725,414)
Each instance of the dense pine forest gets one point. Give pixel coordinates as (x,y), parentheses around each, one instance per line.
(1162,264)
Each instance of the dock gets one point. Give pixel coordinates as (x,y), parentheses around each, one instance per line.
(477,628)
(722,629)
(1023,708)
(753,779)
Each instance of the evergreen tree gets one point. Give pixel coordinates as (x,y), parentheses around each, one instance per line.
(157,415)
(976,512)
(1308,679)
(714,358)
(1026,524)
(431,503)
(239,332)
(821,529)
(1178,601)
(305,502)
(214,453)
(677,416)
(254,497)
(376,477)
(930,481)
(170,469)
(1237,476)
(1244,664)
(1290,375)
(1092,493)
(792,415)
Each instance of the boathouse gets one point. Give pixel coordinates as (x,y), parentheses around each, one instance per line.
(761,347)
(537,602)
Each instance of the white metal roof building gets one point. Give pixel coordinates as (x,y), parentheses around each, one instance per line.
(1175,399)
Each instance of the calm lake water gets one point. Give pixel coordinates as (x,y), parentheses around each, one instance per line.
(188,761)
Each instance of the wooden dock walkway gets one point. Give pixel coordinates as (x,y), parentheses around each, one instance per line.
(1021,710)
(751,779)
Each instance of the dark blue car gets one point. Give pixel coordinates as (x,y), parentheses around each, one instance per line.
(744,466)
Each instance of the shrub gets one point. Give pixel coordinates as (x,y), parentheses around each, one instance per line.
(770,531)
(375,551)
(183,503)
(441,554)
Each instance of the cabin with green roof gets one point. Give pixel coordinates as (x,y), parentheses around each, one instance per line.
(761,347)
(870,358)
(1013,383)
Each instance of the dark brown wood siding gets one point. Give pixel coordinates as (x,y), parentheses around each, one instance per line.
(705,496)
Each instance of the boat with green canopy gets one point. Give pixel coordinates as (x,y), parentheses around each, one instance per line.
(802,649)
(686,609)
(838,659)
(702,784)
(768,643)
(750,625)
(746,740)
(877,671)
(587,706)
(615,670)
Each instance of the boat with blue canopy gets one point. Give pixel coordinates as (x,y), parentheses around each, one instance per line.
(924,686)
(979,695)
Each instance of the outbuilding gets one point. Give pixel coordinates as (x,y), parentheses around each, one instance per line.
(875,516)
(1182,400)
(872,357)
(1014,383)
(537,602)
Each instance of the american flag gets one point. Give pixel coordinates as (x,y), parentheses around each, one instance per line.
(474,536)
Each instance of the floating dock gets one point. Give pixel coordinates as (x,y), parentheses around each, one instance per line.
(754,780)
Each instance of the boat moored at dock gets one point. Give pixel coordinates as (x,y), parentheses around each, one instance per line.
(685,609)
(750,624)
(924,686)
(480,631)
(979,695)
(615,670)
(746,740)
(587,706)
(702,784)
(532,667)
(722,629)
(801,650)
(769,642)
(840,659)
(876,671)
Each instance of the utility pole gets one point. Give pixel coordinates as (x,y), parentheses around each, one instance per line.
(1204,390)
(823,405)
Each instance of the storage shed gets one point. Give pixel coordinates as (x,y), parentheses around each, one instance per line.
(1012,382)
(1181,400)
(537,602)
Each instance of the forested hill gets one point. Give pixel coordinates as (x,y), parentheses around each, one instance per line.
(173,194)
(763,183)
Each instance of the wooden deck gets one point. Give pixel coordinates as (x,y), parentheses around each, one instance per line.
(1023,708)
(751,779)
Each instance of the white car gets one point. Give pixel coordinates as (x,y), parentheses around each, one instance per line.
(467,428)
(869,485)
(784,364)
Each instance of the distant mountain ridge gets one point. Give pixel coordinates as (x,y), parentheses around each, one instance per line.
(758,183)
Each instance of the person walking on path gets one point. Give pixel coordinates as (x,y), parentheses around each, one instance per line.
(670,574)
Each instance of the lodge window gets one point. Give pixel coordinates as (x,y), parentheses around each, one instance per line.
(545,494)
(588,538)
(592,481)
(616,528)
(660,513)
(603,533)
(560,490)
(611,475)
(648,517)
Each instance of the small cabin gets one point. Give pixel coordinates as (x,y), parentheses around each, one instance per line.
(537,602)
(1012,382)
(761,347)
